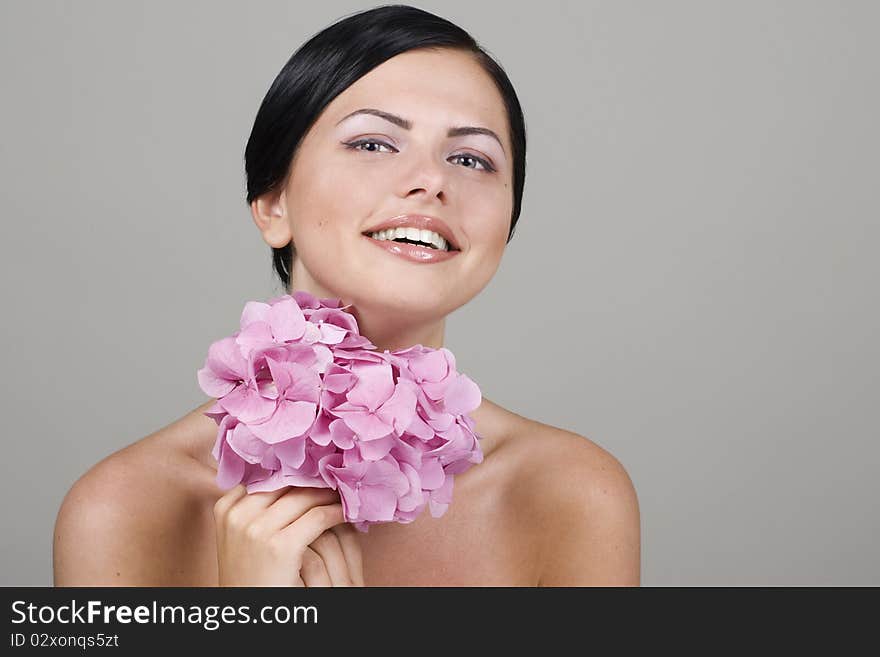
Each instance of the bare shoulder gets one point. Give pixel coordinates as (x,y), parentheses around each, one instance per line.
(125,521)
(584,506)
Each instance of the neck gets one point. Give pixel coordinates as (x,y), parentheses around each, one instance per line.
(385,327)
(385,331)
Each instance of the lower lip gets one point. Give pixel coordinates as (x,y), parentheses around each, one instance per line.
(413,252)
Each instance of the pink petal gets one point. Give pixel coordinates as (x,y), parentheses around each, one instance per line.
(351,503)
(273,482)
(377,503)
(246,445)
(431,366)
(287,320)
(374,450)
(218,443)
(331,334)
(303,480)
(254,311)
(323,357)
(230,469)
(431,474)
(338,382)
(386,473)
(442,422)
(295,382)
(255,336)
(354,341)
(270,460)
(291,453)
(404,453)
(462,396)
(374,385)
(367,426)
(320,432)
(334,460)
(335,317)
(213,385)
(400,408)
(290,419)
(341,434)
(436,390)
(411,500)
(225,359)
(441,498)
(306,299)
(419,428)
(247,404)
(312,334)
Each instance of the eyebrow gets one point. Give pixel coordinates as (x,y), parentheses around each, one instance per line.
(456,131)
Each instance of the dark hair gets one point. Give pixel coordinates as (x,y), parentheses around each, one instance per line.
(332,60)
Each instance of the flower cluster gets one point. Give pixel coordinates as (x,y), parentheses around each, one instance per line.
(304,400)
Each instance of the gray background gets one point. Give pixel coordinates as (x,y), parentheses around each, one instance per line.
(692,284)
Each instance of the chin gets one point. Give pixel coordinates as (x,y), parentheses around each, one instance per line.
(402,303)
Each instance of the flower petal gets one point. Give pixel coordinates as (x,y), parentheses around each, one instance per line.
(374,450)
(462,396)
(246,444)
(254,311)
(400,407)
(287,320)
(341,434)
(291,453)
(367,426)
(378,503)
(247,404)
(374,385)
(230,468)
(295,382)
(290,419)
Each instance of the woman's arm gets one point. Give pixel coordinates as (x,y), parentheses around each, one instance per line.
(96,538)
(593,521)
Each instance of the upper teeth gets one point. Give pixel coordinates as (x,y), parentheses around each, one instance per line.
(414,234)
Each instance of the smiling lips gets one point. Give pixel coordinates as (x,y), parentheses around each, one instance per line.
(422,222)
(413,252)
(416,252)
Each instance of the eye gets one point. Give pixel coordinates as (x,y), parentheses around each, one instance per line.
(467,156)
(356,145)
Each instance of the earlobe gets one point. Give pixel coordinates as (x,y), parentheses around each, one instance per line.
(270,216)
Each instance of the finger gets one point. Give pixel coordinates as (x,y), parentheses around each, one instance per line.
(256,502)
(290,507)
(223,505)
(351,550)
(251,505)
(230,497)
(329,549)
(300,534)
(313,571)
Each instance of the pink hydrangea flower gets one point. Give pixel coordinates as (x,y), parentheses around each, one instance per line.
(302,399)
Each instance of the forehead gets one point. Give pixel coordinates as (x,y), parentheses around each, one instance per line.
(430,88)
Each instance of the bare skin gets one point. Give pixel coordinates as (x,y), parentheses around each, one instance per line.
(480,540)
(506,526)
(546,506)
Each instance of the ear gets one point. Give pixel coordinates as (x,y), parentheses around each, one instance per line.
(270,215)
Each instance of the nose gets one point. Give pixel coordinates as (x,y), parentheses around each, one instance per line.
(426,177)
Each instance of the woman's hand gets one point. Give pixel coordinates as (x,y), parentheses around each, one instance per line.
(294,536)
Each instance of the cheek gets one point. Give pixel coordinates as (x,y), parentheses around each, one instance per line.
(351,192)
(494,210)
(322,204)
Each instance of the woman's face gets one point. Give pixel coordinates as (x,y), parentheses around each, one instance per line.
(337,189)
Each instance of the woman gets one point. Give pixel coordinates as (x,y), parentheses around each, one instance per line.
(390,126)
